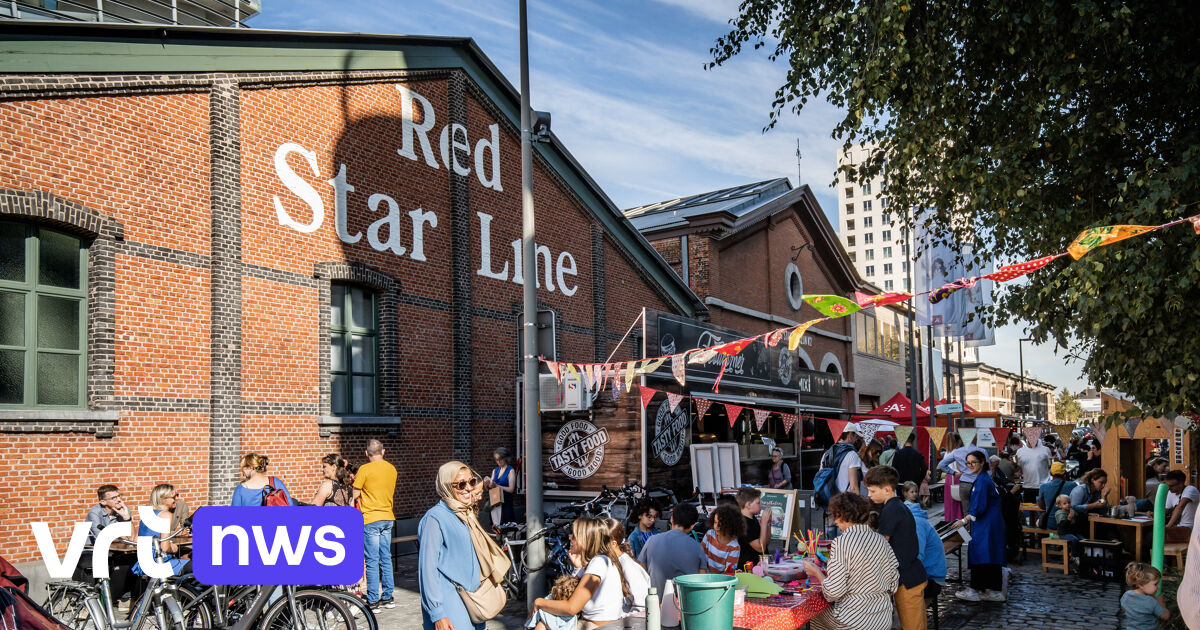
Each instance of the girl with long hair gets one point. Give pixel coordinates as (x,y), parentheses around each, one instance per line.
(599,598)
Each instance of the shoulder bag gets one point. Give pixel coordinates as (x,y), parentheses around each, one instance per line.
(485,602)
(495,493)
(1044,519)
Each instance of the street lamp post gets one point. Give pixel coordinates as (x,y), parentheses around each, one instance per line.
(536,547)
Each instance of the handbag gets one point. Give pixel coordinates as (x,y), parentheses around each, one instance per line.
(495,496)
(1044,519)
(956,491)
(485,603)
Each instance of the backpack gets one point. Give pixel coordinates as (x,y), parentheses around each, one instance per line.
(275,496)
(825,482)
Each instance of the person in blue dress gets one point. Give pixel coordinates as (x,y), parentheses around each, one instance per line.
(504,478)
(986,553)
(454,550)
(162,500)
(254,482)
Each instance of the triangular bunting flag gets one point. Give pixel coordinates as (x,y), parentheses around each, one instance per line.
(679,369)
(650,365)
(866,299)
(798,332)
(1092,238)
(1195,223)
(867,430)
(902,433)
(630,372)
(734,347)
(832,305)
(720,375)
(702,406)
(789,419)
(598,376)
(573,372)
(772,338)
(936,434)
(1064,432)
(555,369)
(647,393)
(700,357)
(836,427)
(1131,425)
(1032,435)
(967,435)
(1000,435)
(617,388)
(1100,432)
(585,378)
(760,416)
(1010,272)
(673,400)
(733,411)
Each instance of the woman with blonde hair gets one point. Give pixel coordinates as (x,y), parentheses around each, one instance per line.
(455,552)
(599,598)
(162,500)
(256,484)
(636,576)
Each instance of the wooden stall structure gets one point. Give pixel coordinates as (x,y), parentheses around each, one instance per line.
(1124,456)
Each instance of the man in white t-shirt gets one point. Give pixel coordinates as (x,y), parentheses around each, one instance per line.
(849,475)
(1034,460)
(1181,500)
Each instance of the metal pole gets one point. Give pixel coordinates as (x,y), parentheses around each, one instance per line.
(913,353)
(1021,358)
(536,548)
(962,383)
(933,449)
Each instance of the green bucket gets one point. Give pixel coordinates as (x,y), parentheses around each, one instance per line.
(705,601)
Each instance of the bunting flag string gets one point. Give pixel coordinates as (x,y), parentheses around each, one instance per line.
(760,417)
(936,434)
(837,427)
(1032,435)
(720,375)
(616,387)
(833,306)
(646,393)
(902,433)
(1064,432)
(1131,425)
(867,430)
(1000,435)
(733,411)
(789,420)
(967,435)
(673,400)
(1100,432)
(702,405)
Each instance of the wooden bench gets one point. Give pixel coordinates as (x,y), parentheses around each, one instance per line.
(1063,547)
(1032,539)
(1178,551)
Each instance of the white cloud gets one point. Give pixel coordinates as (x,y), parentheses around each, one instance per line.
(715,10)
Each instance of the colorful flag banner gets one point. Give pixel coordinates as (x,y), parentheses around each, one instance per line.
(967,435)
(789,419)
(760,417)
(837,427)
(733,411)
(832,305)
(902,433)
(867,430)
(1064,432)
(702,405)
(1131,425)
(720,375)
(866,299)
(700,357)
(1000,435)
(555,369)
(734,347)
(617,388)
(679,369)
(673,400)
(798,332)
(650,365)
(630,372)
(1100,432)
(1195,223)
(647,393)
(936,435)
(1010,272)
(772,338)
(1092,238)
(1032,435)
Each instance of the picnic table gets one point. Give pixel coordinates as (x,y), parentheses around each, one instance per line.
(1139,525)
(781,613)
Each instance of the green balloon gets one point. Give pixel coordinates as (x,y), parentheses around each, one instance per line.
(1160,530)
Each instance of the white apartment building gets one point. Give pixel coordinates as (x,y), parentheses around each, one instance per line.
(877,244)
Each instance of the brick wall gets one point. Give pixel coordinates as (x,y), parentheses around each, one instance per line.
(218,325)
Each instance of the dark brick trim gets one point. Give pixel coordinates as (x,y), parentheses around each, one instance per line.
(225,422)
(461,312)
(278,408)
(104,232)
(102,424)
(278,275)
(387,289)
(165,254)
(164,405)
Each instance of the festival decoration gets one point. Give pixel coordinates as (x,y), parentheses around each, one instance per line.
(679,369)
(1092,238)
(617,387)
(1099,431)
(760,417)
(1032,435)
(798,332)
(646,393)
(700,357)
(1000,435)
(702,405)
(902,433)
(832,305)
(867,430)
(734,347)
(673,400)
(1131,425)
(968,435)
(555,369)
(936,434)
(1010,272)
(733,411)
(720,375)
(1064,432)
(789,419)
(772,338)
(630,371)
(866,300)
(949,288)
(837,427)
(651,365)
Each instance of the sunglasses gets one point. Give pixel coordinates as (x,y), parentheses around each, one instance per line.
(463,485)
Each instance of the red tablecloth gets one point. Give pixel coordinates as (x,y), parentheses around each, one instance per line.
(781,613)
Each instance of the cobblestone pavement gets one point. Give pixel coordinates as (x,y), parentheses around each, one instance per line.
(407,613)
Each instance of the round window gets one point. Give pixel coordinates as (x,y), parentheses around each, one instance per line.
(793,284)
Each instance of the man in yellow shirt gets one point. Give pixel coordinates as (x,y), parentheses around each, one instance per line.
(374,487)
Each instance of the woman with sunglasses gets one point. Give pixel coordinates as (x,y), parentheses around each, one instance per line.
(455,550)
(986,554)
(163,499)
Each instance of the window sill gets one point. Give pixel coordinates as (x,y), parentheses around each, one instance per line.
(101,423)
(329,425)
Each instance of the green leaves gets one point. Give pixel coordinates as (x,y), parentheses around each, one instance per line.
(1018,125)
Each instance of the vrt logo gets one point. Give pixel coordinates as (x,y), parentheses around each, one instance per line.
(64,567)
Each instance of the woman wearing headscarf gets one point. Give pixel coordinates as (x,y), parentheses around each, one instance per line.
(454,550)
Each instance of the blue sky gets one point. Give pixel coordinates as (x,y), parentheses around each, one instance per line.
(630,98)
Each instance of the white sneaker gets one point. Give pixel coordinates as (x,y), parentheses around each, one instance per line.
(994,596)
(968,595)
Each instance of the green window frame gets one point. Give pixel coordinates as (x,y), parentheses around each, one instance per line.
(43,317)
(353,350)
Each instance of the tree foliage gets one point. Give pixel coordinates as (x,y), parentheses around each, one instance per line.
(1066,408)
(1017,125)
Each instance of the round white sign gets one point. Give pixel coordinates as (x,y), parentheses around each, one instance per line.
(578,449)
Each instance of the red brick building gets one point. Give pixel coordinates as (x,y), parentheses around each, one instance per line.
(220,241)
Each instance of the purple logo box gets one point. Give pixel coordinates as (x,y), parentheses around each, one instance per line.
(277,545)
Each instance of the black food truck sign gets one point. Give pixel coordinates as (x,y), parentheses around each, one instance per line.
(755,368)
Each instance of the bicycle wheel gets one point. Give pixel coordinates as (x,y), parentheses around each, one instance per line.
(360,611)
(195,611)
(315,610)
(67,603)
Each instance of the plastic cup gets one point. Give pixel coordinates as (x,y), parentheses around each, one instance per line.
(739,600)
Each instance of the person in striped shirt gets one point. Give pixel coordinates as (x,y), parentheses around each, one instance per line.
(721,542)
(862,573)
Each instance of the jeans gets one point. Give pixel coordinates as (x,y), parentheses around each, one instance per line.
(377,543)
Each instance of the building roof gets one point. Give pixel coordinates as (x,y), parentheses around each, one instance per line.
(735,202)
(68,47)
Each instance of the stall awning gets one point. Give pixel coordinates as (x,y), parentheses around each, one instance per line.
(754,401)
